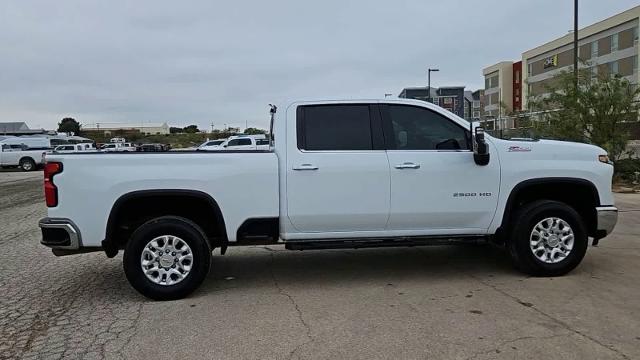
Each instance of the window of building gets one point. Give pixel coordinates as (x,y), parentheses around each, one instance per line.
(491,81)
(517,77)
(529,68)
(476,104)
(613,67)
(635,33)
(614,42)
(416,128)
(335,127)
(635,63)
(476,114)
(594,49)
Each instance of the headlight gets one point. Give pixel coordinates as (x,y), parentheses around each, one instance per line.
(605,159)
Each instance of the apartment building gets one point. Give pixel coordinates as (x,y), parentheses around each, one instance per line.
(498,92)
(477,105)
(609,46)
(451,98)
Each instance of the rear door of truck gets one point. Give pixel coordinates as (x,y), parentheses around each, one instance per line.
(337,169)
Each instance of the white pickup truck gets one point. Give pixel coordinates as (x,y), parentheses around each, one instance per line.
(21,155)
(340,174)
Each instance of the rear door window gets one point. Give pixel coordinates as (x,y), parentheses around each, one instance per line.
(334,127)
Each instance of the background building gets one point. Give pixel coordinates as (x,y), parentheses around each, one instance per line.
(477,107)
(18,128)
(498,89)
(609,46)
(451,98)
(112,128)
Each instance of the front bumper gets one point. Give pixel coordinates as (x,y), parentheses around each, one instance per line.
(60,233)
(607,217)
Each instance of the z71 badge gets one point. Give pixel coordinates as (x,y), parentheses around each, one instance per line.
(516,148)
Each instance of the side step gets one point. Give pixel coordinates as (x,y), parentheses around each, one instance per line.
(382,242)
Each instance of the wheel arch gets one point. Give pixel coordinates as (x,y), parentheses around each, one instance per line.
(579,193)
(27,158)
(216,234)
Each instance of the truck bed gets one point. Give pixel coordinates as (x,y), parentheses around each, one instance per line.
(244,184)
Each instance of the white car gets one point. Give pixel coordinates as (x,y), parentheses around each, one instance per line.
(73,148)
(246,142)
(118,147)
(211,145)
(342,174)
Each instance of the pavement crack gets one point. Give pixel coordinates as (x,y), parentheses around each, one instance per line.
(563,324)
(296,307)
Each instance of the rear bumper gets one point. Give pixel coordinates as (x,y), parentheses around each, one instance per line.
(607,217)
(63,237)
(60,233)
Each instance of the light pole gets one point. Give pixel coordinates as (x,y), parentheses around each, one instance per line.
(575,44)
(429,82)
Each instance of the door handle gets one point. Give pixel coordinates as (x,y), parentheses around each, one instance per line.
(306,167)
(408,165)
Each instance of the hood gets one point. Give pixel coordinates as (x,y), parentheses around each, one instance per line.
(548,149)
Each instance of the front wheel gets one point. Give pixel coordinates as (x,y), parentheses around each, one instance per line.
(167,258)
(548,239)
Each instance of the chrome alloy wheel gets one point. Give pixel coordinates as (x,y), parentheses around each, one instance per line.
(551,240)
(166,260)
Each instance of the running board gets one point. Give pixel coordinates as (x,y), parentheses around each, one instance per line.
(381,242)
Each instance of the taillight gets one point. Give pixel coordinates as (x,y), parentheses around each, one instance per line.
(50,190)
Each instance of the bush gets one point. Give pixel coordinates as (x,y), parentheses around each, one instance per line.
(626,168)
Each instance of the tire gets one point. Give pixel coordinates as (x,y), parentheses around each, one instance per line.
(547,259)
(27,164)
(165,282)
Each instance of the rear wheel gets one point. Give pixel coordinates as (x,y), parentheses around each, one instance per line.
(27,164)
(548,239)
(167,258)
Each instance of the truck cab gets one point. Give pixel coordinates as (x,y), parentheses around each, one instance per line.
(338,174)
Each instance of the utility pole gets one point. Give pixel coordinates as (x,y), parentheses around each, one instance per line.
(575,44)
(429,83)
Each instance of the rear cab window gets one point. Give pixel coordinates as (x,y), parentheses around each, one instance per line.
(339,127)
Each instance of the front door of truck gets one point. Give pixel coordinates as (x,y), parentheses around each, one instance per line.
(337,174)
(436,187)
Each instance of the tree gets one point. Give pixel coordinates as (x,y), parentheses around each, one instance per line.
(175,130)
(69,125)
(191,129)
(254,131)
(594,112)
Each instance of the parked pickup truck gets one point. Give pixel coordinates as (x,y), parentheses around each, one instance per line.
(341,174)
(20,155)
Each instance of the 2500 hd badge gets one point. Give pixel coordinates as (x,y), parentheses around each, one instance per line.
(469,194)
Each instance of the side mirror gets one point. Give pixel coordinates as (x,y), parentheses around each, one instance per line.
(480,148)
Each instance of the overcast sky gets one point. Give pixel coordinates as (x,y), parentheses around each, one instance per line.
(197,62)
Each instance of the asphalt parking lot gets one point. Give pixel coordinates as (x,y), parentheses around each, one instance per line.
(463,302)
